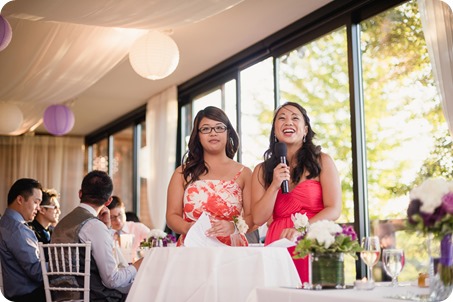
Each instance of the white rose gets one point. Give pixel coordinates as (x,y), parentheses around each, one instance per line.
(430,193)
(300,221)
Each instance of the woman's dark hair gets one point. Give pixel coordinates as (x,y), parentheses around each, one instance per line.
(23,187)
(307,156)
(97,187)
(193,162)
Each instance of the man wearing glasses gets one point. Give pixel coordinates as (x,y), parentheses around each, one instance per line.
(48,214)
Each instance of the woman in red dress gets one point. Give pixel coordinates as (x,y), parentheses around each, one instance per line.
(314,183)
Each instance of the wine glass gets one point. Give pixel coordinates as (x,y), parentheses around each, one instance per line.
(393,262)
(371,250)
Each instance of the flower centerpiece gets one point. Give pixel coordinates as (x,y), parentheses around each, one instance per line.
(327,242)
(326,236)
(430,212)
(157,237)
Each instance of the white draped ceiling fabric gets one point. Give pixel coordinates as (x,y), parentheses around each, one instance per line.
(161,127)
(69,45)
(437,22)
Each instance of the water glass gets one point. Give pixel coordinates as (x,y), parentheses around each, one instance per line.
(393,262)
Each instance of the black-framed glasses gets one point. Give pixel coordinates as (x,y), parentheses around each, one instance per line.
(217,129)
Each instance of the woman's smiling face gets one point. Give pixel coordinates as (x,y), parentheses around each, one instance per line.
(290,125)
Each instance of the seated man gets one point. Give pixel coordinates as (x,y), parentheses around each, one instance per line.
(121,226)
(48,214)
(22,275)
(108,282)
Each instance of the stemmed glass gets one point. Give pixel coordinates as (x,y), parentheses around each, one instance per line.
(393,262)
(371,250)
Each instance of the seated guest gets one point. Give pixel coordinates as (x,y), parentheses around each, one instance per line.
(48,214)
(121,226)
(108,282)
(22,275)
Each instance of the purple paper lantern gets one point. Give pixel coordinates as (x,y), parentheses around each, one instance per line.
(58,119)
(6,33)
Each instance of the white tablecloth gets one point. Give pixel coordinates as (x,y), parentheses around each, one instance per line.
(378,294)
(174,274)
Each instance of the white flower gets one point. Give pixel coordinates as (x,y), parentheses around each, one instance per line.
(300,221)
(324,232)
(430,193)
(240,224)
(157,233)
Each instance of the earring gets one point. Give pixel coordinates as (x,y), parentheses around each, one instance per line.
(231,141)
(304,139)
(275,139)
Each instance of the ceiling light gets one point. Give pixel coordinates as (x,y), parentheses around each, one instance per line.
(6,33)
(154,56)
(10,118)
(58,119)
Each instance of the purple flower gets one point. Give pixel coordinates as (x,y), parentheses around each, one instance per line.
(447,203)
(430,219)
(349,231)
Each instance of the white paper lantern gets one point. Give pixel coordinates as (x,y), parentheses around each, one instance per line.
(10,118)
(154,56)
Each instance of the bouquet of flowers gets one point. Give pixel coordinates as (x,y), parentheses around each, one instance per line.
(430,211)
(157,237)
(431,208)
(326,236)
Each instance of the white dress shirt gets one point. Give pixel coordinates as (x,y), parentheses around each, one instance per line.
(102,245)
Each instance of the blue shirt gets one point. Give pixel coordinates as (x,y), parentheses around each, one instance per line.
(19,255)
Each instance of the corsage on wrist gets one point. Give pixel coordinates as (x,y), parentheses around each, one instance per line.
(239,225)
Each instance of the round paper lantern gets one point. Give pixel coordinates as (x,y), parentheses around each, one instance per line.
(58,119)
(6,33)
(10,118)
(154,56)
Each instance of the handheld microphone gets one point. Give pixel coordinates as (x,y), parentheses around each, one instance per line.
(281,151)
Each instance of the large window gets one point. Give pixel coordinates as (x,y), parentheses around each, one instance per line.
(365,79)
(404,125)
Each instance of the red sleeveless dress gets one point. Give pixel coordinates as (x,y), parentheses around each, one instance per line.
(306,198)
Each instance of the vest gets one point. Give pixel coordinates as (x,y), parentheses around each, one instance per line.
(67,231)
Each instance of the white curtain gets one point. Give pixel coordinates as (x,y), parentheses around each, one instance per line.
(161,127)
(71,45)
(56,162)
(437,22)
(71,59)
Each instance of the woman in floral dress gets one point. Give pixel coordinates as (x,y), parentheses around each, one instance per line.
(210,181)
(314,183)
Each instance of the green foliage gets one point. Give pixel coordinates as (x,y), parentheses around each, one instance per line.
(439,229)
(343,244)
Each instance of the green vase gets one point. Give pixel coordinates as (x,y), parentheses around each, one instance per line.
(327,270)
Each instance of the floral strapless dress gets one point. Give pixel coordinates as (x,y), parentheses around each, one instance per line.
(220,199)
